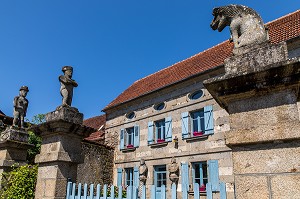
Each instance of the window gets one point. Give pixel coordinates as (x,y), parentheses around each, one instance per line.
(130,138)
(129,176)
(160,175)
(160,131)
(196,95)
(197,123)
(201,173)
(159,106)
(130,115)
(200,177)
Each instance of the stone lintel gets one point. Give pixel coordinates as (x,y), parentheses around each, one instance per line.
(59,157)
(275,77)
(70,114)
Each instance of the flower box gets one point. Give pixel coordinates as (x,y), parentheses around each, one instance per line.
(160,140)
(198,133)
(130,146)
(202,188)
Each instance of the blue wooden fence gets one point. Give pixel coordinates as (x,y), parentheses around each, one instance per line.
(112,192)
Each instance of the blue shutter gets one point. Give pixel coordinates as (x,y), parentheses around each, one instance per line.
(208,119)
(122,139)
(185,175)
(136,177)
(185,124)
(119,177)
(136,136)
(150,133)
(168,126)
(213,174)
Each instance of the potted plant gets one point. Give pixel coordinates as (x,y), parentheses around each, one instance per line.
(202,187)
(198,133)
(130,146)
(160,140)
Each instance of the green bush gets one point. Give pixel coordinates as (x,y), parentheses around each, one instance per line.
(19,183)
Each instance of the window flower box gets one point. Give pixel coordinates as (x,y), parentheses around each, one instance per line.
(129,146)
(198,133)
(160,140)
(202,188)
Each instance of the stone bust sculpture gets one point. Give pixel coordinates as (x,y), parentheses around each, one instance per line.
(143,171)
(66,85)
(173,171)
(20,107)
(246,26)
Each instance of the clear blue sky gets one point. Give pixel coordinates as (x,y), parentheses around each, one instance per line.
(110,44)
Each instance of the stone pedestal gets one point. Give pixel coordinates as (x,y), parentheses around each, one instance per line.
(13,148)
(260,91)
(60,154)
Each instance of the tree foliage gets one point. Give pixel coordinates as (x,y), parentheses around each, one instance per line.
(19,183)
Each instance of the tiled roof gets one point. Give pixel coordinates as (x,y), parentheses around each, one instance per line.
(98,123)
(281,29)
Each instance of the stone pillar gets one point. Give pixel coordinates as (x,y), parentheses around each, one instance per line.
(13,148)
(260,91)
(60,154)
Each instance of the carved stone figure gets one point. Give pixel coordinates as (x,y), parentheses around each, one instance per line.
(66,85)
(173,171)
(143,172)
(20,107)
(246,26)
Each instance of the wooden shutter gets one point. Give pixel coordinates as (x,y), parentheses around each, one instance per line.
(208,119)
(119,177)
(150,132)
(185,175)
(185,124)
(213,174)
(168,126)
(136,136)
(122,139)
(136,177)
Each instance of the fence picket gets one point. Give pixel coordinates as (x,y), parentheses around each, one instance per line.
(85,191)
(153,192)
(163,192)
(143,192)
(209,194)
(174,191)
(112,192)
(196,191)
(120,192)
(184,191)
(79,191)
(73,191)
(98,192)
(223,191)
(69,190)
(91,191)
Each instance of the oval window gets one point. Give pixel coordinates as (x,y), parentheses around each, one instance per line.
(130,115)
(159,106)
(196,95)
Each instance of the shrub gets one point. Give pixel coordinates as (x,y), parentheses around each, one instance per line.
(19,183)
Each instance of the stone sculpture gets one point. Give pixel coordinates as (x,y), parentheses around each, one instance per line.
(173,171)
(143,172)
(246,26)
(66,85)
(20,107)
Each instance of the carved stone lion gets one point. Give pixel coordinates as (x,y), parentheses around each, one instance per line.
(246,26)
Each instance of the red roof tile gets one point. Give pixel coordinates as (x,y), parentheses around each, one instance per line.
(98,123)
(281,29)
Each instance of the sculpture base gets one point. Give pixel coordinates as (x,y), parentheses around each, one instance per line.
(69,114)
(14,134)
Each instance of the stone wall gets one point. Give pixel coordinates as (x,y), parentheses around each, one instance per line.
(98,164)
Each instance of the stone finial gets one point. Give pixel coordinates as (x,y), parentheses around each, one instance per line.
(20,107)
(66,85)
(173,171)
(246,26)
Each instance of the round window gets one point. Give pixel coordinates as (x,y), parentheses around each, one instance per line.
(130,115)
(196,95)
(159,106)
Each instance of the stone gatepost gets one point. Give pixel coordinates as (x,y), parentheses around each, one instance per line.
(60,154)
(260,91)
(13,148)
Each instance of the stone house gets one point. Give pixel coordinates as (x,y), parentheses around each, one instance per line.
(171,114)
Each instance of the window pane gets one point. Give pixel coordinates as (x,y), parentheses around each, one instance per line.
(160,175)
(129,176)
(129,136)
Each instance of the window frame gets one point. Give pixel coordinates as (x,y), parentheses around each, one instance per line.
(162,181)
(200,122)
(160,131)
(203,174)
(129,172)
(127,134)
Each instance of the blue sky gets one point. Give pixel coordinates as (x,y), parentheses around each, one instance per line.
(109,43)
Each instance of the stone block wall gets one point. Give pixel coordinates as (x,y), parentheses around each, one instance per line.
(98,164)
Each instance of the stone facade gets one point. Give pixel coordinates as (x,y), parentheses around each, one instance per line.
(90,170)
(177,100)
